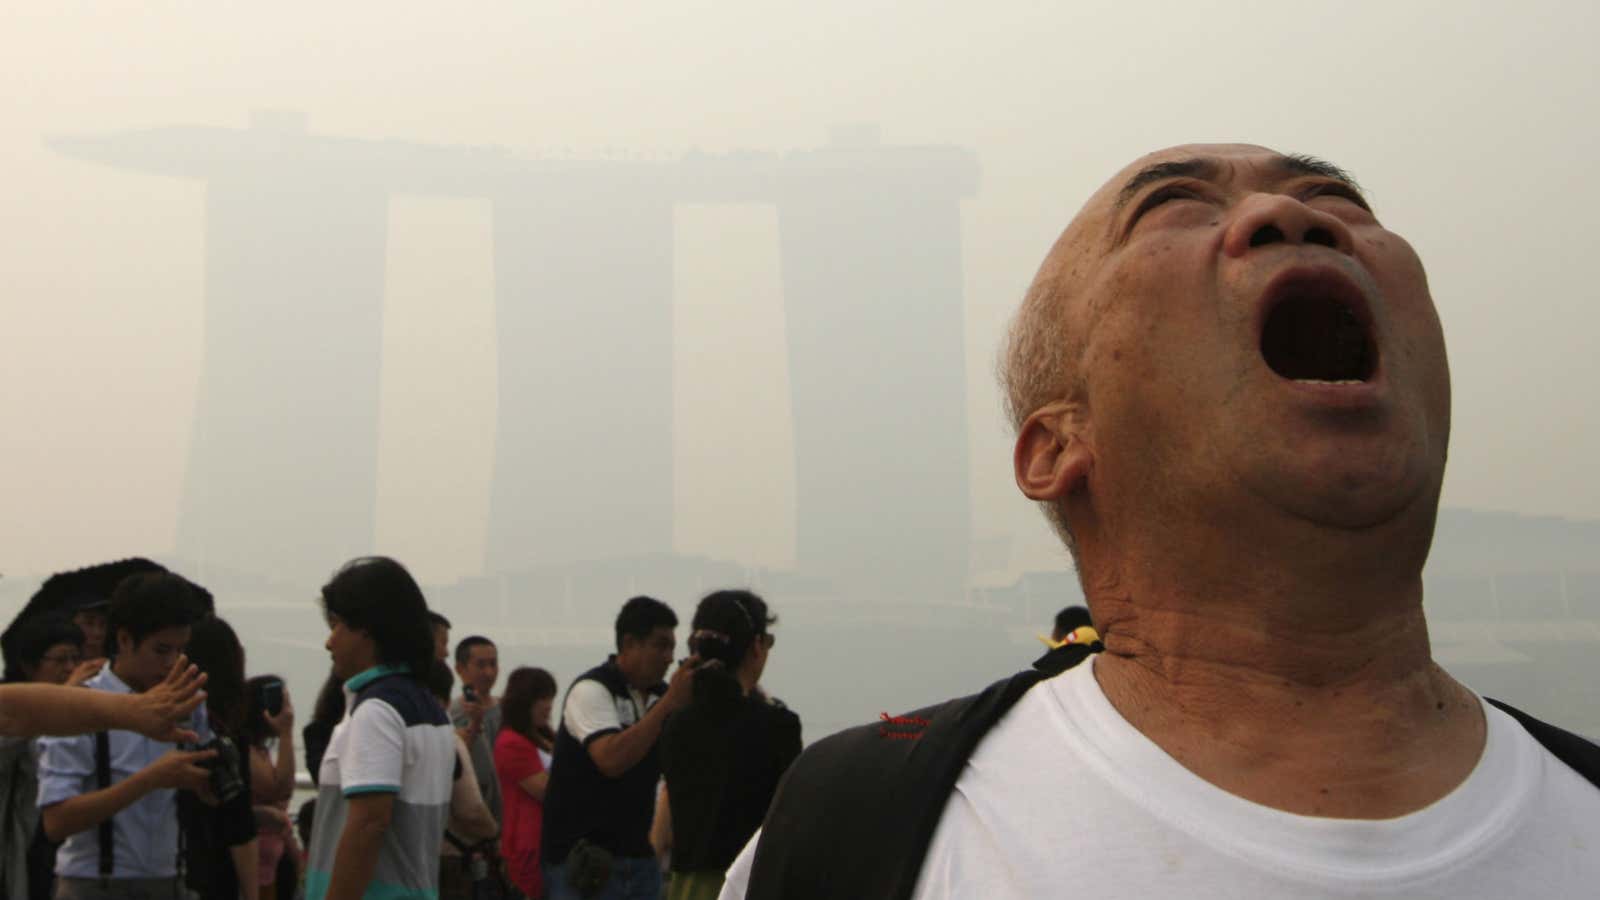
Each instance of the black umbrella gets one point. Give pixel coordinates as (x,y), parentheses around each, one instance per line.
(66,593)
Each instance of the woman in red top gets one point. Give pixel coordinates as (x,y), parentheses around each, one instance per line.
(522,762)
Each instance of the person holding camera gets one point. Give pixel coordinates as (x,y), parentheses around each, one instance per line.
(476,713)
(723,754)
(269,720)
(109,796)
(601,792)
(219,830)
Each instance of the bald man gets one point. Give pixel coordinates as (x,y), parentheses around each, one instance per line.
(1232,401)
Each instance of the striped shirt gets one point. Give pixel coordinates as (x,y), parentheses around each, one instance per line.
(395,739)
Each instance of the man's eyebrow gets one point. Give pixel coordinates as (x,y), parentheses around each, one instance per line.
(1303,164)
(1180,168)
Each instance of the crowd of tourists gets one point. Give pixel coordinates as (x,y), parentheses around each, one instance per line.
(431,780)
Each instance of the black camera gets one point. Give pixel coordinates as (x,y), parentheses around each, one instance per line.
(227,780)
(712,645)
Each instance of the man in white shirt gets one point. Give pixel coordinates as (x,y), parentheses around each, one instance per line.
(112,803)
(1232,400)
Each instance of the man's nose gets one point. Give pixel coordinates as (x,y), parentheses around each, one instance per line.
(1265,219)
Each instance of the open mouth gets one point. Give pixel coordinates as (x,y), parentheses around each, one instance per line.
(1314,333)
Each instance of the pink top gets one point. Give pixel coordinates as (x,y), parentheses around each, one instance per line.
(270,845)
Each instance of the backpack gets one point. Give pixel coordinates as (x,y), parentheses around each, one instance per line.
(854,815)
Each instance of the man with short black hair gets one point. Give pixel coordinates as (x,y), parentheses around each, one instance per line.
(476,713)
(43,707)
(441,635)
(602,789)
(120,788)
(47,648)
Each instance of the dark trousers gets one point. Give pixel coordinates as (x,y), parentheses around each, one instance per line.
(632,878)
(454,882)
(118,889)
(42,866)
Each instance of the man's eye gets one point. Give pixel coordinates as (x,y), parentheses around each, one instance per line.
(1342,191)
(1162,195)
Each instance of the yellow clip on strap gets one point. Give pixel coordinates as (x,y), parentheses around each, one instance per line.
(1083,634)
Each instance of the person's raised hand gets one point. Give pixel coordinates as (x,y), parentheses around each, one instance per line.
(85,670)
(182,770)
(160,712)
(681,687)
(282,723)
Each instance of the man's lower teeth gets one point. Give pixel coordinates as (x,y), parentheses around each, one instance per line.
(1328,381)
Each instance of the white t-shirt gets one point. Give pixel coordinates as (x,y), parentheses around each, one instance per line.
(1065,798)
(591,711)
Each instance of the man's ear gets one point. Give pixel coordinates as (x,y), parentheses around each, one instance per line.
(1052,458)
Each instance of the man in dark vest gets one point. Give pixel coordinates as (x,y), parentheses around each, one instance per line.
(602,789)
(1231,398)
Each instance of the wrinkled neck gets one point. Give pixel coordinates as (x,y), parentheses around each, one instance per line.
(1285,684)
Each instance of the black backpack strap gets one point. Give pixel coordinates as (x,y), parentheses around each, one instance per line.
(1065,657)
(461,846)
(854,815)
(102,773)
(1579,754)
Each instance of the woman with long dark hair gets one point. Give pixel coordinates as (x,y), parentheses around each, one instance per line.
(220,841)
(522,763)
(391,758)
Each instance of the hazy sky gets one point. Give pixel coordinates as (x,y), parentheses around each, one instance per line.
(1472,126)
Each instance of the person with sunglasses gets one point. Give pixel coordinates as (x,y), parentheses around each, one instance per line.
(723,754)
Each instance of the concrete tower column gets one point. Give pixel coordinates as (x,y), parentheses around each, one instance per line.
(873,296)
(283,464)
(583,452)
